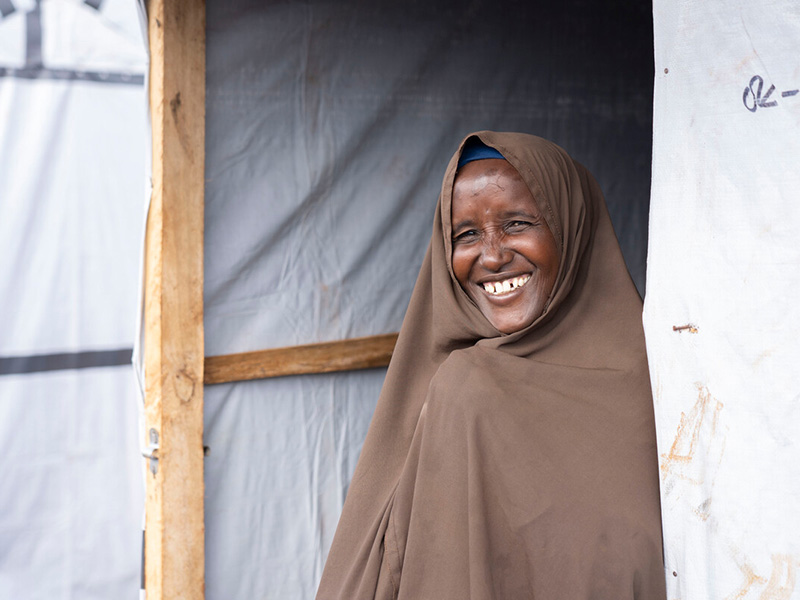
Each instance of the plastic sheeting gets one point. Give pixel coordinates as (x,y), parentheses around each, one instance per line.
(724,268)
(328,128)
(72,148)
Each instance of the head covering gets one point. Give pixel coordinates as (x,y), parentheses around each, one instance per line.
(520,465)
(474,149)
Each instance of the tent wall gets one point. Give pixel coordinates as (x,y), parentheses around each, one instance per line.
(329,125)
(72,152)
(724,269)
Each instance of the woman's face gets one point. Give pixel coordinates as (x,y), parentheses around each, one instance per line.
(504,254)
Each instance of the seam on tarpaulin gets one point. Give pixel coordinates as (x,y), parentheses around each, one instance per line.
(39,72)
(34,65)
(33,36)
(63,361)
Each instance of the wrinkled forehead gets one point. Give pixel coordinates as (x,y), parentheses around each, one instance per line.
(484,172)
(483,179)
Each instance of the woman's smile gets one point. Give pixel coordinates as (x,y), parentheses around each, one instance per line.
(504,256)
(505,287)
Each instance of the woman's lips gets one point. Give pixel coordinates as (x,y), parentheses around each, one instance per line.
(505,286)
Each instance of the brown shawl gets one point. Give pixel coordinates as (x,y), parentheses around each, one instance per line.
(512,466)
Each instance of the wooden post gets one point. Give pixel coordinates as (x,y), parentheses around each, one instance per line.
(173,347)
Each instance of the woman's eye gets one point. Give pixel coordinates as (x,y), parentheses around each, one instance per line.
(465,235)
(517,225)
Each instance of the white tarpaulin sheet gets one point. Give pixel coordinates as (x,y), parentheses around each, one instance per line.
(724,268)
(72,153)
(328,127)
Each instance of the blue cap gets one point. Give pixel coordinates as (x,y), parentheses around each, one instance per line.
(475,149)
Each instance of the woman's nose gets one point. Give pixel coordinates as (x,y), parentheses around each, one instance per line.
(495,255)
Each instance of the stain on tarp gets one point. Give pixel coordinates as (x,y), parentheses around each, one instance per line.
(684,449)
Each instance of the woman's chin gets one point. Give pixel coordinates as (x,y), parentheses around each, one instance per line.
(510,314)
(507,321)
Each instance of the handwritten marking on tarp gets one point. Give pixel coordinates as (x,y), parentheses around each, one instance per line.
(754,96)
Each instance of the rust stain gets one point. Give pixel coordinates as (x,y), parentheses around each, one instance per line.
(762,356)
(783,578)
(750,579)
(687,437)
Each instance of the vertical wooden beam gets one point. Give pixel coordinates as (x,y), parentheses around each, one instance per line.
(174,536)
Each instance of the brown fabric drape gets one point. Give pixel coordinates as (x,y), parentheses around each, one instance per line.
(512,466)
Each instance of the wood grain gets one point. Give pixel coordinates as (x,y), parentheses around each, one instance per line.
(173,346)
(326,357)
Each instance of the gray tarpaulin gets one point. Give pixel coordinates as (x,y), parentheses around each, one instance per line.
(72,154)
(329,125)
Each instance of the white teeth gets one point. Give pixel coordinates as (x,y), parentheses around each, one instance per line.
(503,287)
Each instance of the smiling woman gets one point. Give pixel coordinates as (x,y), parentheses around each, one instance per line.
(512,452)
(504,255)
